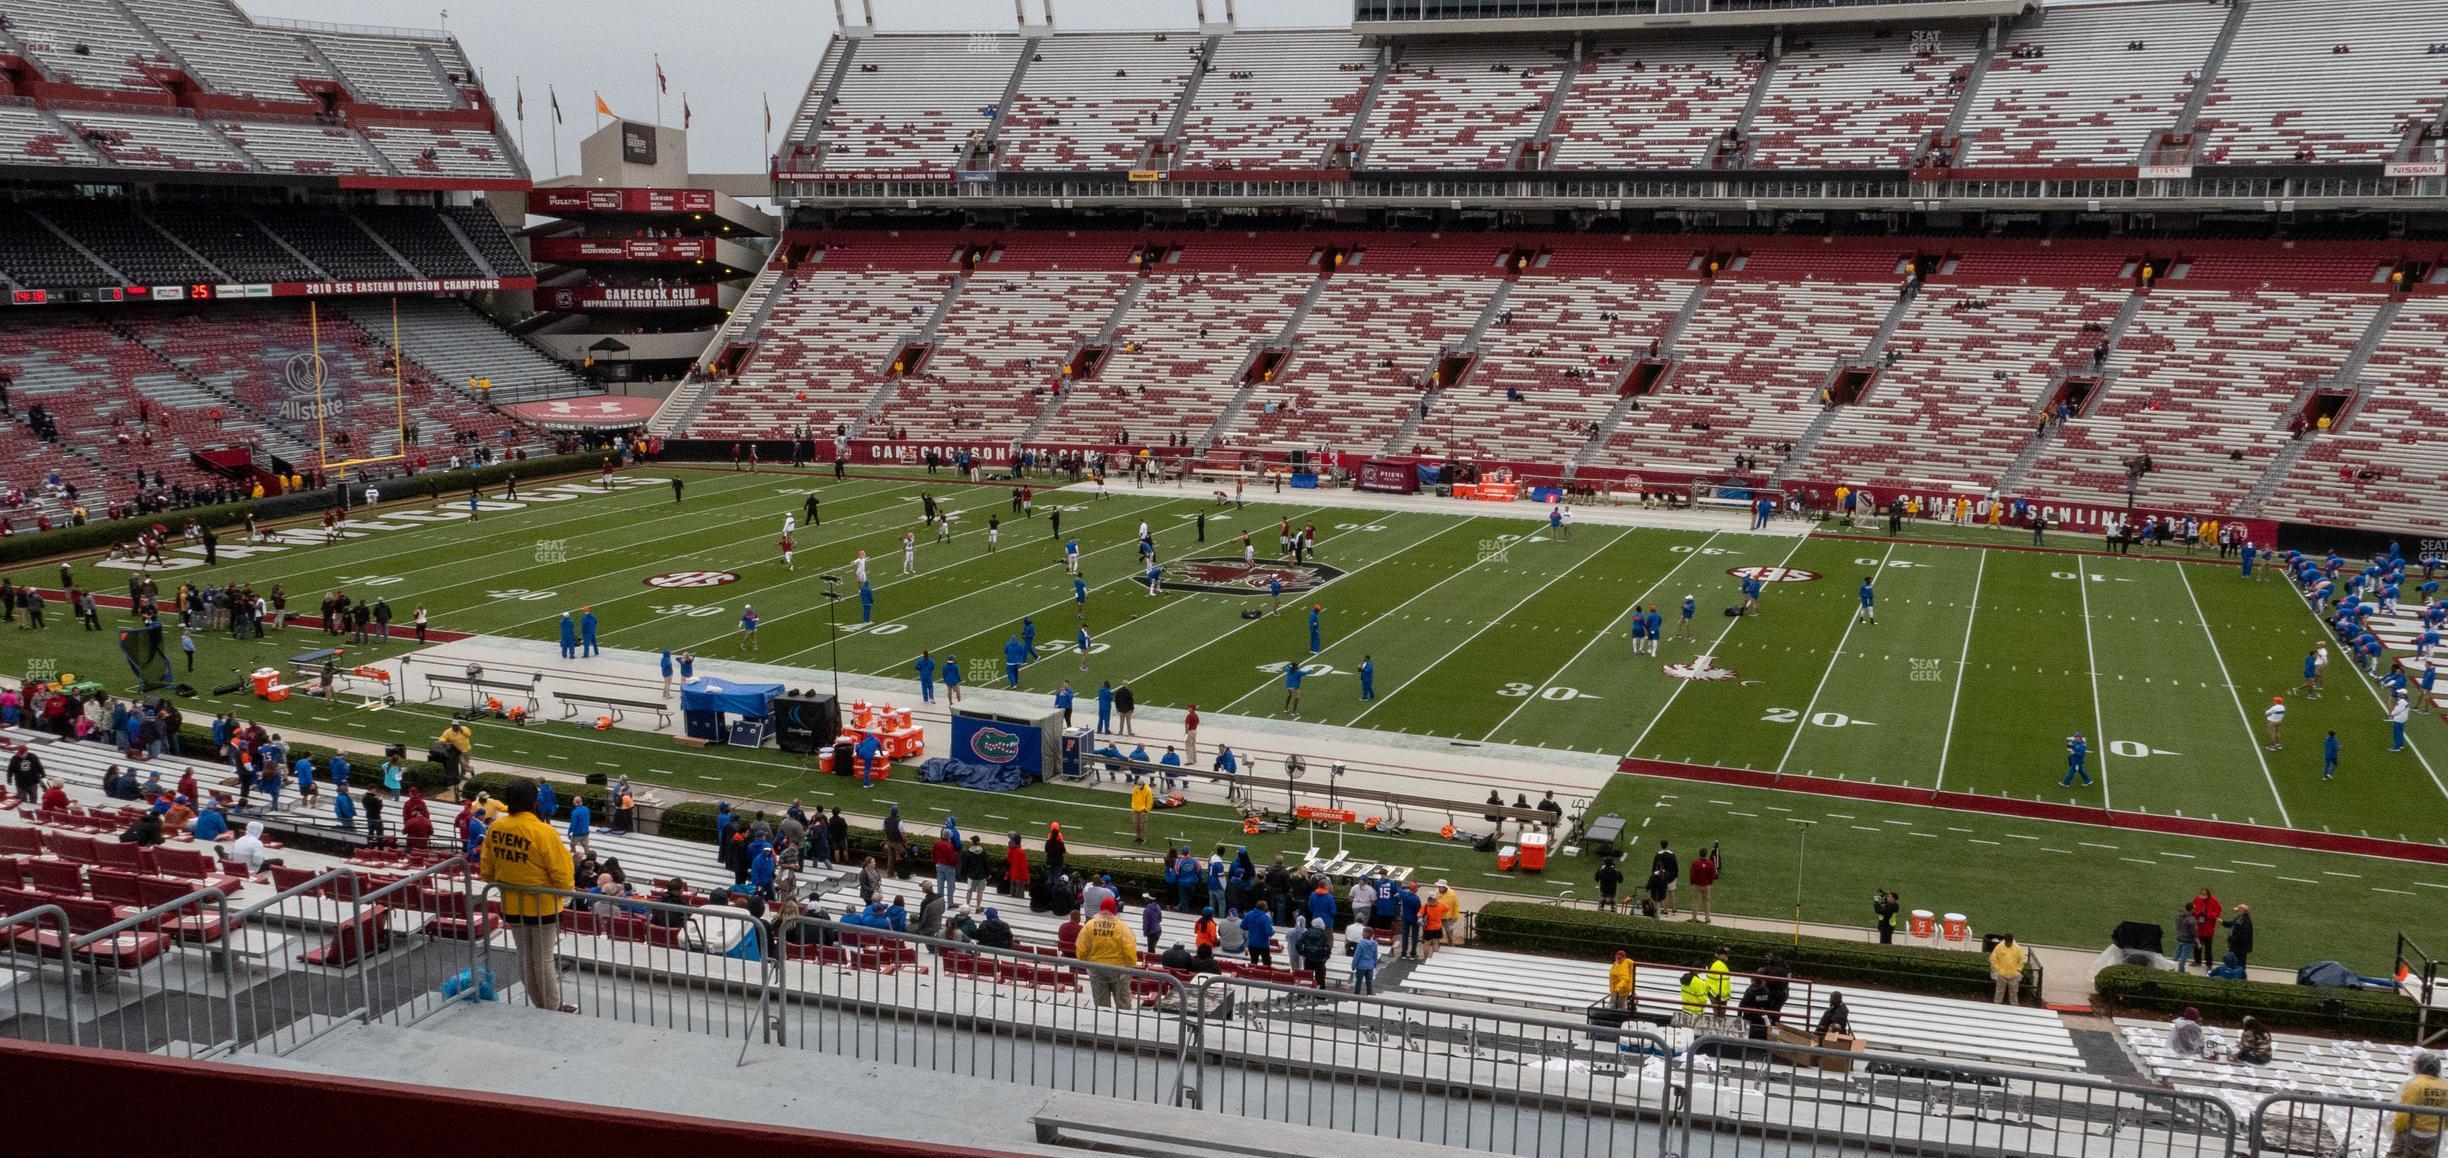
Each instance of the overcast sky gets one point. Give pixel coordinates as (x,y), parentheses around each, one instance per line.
(724,56)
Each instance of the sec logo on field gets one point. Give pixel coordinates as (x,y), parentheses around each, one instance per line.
(1774,574)
(1224,575)
(692,579)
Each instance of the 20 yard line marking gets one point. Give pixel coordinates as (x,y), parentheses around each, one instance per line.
(1605,633)
(1948,744)
(1801,724)
(2232,694)
(1671,696)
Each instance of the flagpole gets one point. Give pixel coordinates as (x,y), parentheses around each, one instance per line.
(525,153)
(658,63)
(766,99)
(555,99)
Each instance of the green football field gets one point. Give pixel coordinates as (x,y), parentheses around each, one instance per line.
(1981,663)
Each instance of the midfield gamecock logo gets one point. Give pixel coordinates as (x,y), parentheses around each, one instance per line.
(995,746)
(1229,576)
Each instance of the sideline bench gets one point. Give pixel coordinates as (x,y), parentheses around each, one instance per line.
(1072,1118)
(434,683)
(570,702)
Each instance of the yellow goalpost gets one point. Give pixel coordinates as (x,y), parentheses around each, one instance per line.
(322,382)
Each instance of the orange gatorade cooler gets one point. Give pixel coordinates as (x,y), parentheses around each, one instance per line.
(1957,926)
(1506,858)
(1923,923)
(1534,852)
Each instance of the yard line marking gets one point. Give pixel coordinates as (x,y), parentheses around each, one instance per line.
(1977,840)
(1246,624)
(2020,836)
(2252,864)
(1924,835)
(2066,851)
(1774,808)
(1900,823)
(2211,869)
(2300,880)
(2137,860)
(2429,885)
(1802,722)
(2374,691)
(1947,744)
(2258,753)
(1755,816)
(1605,633)
(2099,714)
(1466,641)
(2399,892)
(2180,855)
(1952,828)
(2335,873)
(1865,828)
(1841,816)
(1677,691)
(2088,844)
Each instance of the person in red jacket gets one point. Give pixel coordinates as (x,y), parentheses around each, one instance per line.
(947,862)
(2206,910)
(1016,869)
(1703,870)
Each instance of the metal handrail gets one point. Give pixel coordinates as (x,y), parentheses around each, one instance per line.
(2263,1138)
(35,916)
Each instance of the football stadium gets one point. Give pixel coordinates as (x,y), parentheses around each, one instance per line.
(1618,577)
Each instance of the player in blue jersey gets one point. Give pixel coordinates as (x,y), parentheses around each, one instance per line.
(1691,607)
(1639,632)
(1869,604)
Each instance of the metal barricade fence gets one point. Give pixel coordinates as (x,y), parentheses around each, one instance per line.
(414,944)
(42,986)
(1011,1015)
(158,979)
(2311,1124)
(282,991)
(694,968)
(1437,1073)
(1736,1096)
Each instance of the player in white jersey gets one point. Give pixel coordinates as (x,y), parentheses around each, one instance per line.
(860,565)
(909,553)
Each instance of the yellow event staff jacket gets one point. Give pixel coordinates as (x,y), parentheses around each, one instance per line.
(1143,798)
(1107,941)
(524,852)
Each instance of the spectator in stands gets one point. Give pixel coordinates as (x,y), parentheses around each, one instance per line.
(416,821)
(248,851)
(522,853)
(1066,936)
(2185,1036)
(2006,962)
(2418,1136)
(1107,941)
(1619,981)
(145,831)
(1313,947)
(1836,1018)
(2254,1049)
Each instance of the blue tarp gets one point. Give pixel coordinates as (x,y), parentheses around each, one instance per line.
(984,777)
(738,699)
(1429,474)
(1305,480)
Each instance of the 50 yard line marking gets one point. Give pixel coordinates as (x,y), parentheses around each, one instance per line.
(1643,738)
(1605,633)
(2238,697)
(1802,722)
(1947,745)
(2099,715)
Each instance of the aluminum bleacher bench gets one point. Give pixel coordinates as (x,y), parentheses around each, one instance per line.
(1077,1118)
(434,683)
(570,702)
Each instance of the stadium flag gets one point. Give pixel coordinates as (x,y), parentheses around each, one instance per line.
(662,84)
(684,111)
(555,98)
(521,82)
(602,109)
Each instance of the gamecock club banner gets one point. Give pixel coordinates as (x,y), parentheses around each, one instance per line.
(613,297)
(621,201)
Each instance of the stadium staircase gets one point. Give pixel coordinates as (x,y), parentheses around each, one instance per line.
(383,245)
(475,254)
(2159,146)
(181,245)
(1284,340)
(2107,374)
(1952,132)
(994,134)
(832,92)
(2349,379)
(331,66)
(1624,402)
(890,383)
(215,130)
(1541,144)
(295,254)
(1759,96)
(1103,338)
(1355,138)
(1168,146)
(1869,358)
(1397,442)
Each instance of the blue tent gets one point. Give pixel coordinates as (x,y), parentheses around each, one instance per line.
(753,701)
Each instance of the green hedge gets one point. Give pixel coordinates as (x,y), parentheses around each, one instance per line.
(1595,936)
(103,532)
(2359,1012)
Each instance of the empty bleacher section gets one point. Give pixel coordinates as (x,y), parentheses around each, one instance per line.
(2206,381)
(455,342)
(909,102)
(154,142)
(2325,82)
(999,354)
(1750,366)
(825,347)
(1574,329)
(1096,101)
(420,236)
(419,151)
(387,71)
(2074,88)
(29,137)
(304,147)
(1278,100)
(334,242)
(86,44)
(1177,359)
(1366,352)
(1461,105)
(119,407)
(2385,460)
(134,248)
(1657,103)
(234,244)
(34,256)
(1853,99)
(1973,359)
(226,51)
(484,231)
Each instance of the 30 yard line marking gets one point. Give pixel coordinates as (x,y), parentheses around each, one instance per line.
(1802,723)
(1948,744)
(1671,696)
(2258,753)
(1483,630)
(2099,714)
(1605,633)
